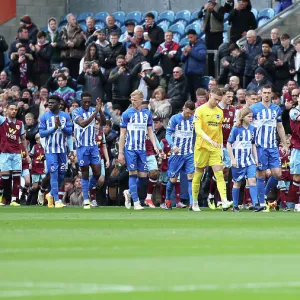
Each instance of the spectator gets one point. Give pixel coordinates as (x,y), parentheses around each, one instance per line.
(143,46)
(52,83)
(21,67)
(71,42)
(91,54)
(93,80)
(288,105)
(275,40)
(201,96)
(109,54)
(52,36)
(144,79)
(111,27)
(31,128)
(252,49)
(4,81)
(240,97)
(133,57)
(115,114)
(168,55)
(233,65)
(266,60)
(295,63)
(74,196)
(234,83)
(27,105)
(284,54)
(43,100)
(155,35)
(159,129)
(241,20)
(162,79)
(287,95)
(212,14)
(177,90)
(160,107)
(90,27)
(32,29)
(121,81)
(282,5)
(194,59)
(212,84)
(42,53)
(22,39)
(124,38)
(73,106)
(3,48)
(259,81)
(110,137)
(99,38)
(64,92)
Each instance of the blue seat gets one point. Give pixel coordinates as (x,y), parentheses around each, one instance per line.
(155,13)
(135,16)
(44,28)
(205,81)
(177,28)
(83,16)
(255,12)
(194,16)
(164,25)
(62,23)
(262,21)
(78,95)
(194,26)
(185,41)
(101,16)
(183,16)
(83,26)
(123,29)
(266,13)
(99,24)
(120,18)
(177,37)
(167,15)
(225,32)
(226,15)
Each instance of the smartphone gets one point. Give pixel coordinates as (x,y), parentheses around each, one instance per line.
(25,100)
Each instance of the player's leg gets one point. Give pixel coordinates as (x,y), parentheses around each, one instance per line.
(261,175)
(25,189)
(142,173)
(294,190)
(238,174)
(95,164)
(44,186)
(163,179)
(189,169)
(5,183)
(179,204)
(16,178)
(153,176)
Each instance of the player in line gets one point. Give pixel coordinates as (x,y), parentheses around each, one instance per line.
(54,126)
(209,139)
(11,132)
(136,122)
(84,119)
(181,138)
(242,151)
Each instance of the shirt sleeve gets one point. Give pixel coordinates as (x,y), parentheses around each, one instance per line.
(68,127)
(170,131)
(150,121)
(32,151)
(279,114)
(254,135)
(103,138)
(232,135)
(75,115)
(147,46)
(294,114)
(22,129)
(124,120)
(2,119)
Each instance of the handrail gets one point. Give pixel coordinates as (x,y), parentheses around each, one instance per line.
(270,24)
(296,38)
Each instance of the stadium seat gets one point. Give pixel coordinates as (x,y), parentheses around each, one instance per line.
(167,15)
(184,42)
(83,16)
(255,12)
(194,26)
(262,21)
(120,18)
(225,32)
(123,29)
(83,26)
(194,16)
(183,16)
(151,11)
(78,95)
(99,24)
(177,37)
(177,28)
(226,15)
(199,22)
(205,81)
(44,28)
(135,16)
(266,13)
(101,16)
(164,25)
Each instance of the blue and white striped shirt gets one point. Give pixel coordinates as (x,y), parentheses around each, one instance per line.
(265,120)
(242,139)
(84,136)
(180,133)
(55,139)
(136,122)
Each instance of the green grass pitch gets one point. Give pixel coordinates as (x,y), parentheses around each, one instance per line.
(113,253)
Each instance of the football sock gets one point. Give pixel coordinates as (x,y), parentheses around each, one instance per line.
(221,185)
(212,186)
(85,188)
(92,182)
(61,177)
(260,184)
(272,182)
(170,188)
(177,192)
(247,195)
(151,186)
(196,183)
(293,193)
(16,185)
(133,187)
(54,185)
(235,196)
(253,193)
(61,193)
(162,192)
(190,183)
(140,181)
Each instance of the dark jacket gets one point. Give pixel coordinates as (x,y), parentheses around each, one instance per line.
(283,72)
(293,67)
(276,46)
(255,86)
(268,65)
(3,48)
(251,52)
(93,83)
(108,55)
(32,32)
(42,59)
(137,59)
(178,89)
(31,131)
(240,21)
(161,133)
(195,61)
(111,139)
(53,85)
(121,84)
(89,33)
(166,63)
(55,58)
(109,30)
(13,48)
(14,67)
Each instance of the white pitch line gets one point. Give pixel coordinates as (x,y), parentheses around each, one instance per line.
(31,289)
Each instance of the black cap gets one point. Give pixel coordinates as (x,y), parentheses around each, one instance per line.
(129,22)
(192,31)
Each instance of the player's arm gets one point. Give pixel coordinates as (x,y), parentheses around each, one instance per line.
(169,135)
(70,144)
(44,132)
(101,117)
(152,138)
(121,158)
(201,133)
(230,141)
(254,151)
(105,152)
(78,119)
(68,128)
(281,134)
(25,147)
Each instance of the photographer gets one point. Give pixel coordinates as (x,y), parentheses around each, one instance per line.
(52,83)
(93,80)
